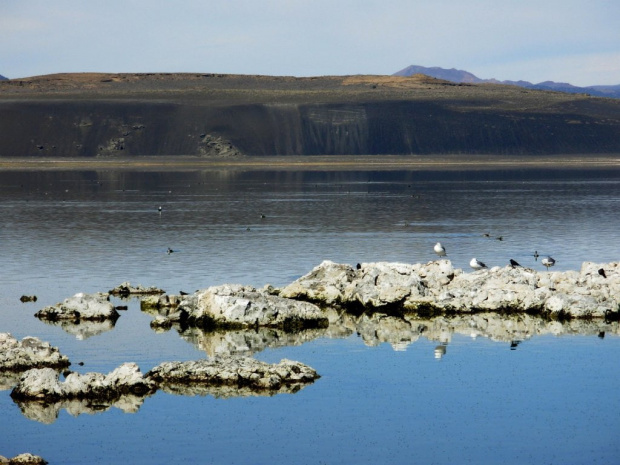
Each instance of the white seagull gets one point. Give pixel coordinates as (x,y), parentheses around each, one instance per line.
(440,249)
(548,262)
(476,264)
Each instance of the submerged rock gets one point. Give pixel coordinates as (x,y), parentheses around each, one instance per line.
(126,289)
(81,307)
(235,306)
(234,372)
(43,384)
(28,353)
(436,287)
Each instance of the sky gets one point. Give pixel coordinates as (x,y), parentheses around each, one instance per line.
(571,41)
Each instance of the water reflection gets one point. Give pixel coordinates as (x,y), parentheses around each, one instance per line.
(47,412)
(83,329)
(400,333)
(226,392)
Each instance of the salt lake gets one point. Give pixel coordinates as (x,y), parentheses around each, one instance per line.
(549,396)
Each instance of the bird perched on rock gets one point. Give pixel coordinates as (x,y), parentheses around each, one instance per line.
(514,263)
(440,249)
(601,271)
(548,262)
(476,264)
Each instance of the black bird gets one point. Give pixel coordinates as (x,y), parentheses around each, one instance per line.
(183,293)
(601,271)
(514,263)
(536,255)
(169,251)
(359,266)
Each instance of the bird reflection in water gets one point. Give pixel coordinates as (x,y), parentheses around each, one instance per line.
(440,351)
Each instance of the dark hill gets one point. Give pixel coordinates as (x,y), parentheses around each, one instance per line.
(88,115)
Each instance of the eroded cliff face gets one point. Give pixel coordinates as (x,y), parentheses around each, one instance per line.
(285,116)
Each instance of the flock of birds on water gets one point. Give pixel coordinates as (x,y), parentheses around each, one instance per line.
(476,264)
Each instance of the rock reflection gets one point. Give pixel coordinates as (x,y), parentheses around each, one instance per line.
(47,412)
(83,329)
(8,380)
(247,342)
(399,332)
(225,392)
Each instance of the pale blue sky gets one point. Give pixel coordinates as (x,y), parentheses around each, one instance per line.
(561,40)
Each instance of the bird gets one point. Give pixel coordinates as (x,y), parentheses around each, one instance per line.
(514,263)
(159,209)
(548,262)
(169,251)
(536,255)
(601,271)
(476,264)
(500,238)
(440,249)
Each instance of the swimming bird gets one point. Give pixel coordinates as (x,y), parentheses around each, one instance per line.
(169,251)
(548,262)
(440,249)
(536,255)
(601,271)
(514,263)
(159,209)
(476,264)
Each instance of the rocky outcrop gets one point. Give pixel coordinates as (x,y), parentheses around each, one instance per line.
(41,394)
(234,306)
(126,289)
(229,374)
(216,146)
(436,287)
(28,353)
(81,307)
(44,384)
(23,459)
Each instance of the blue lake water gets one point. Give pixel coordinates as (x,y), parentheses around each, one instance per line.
(382,397)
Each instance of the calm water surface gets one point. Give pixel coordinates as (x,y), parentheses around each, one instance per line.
(381,399)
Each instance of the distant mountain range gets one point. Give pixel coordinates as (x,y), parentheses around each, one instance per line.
(457,75)
(2,77)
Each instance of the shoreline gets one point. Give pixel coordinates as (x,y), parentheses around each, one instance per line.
(315,163)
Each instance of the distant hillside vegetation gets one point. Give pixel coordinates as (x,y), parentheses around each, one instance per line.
(3,78)
(457,75)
